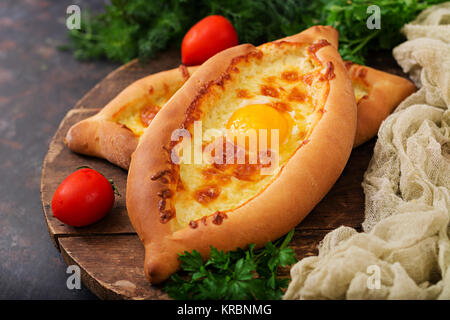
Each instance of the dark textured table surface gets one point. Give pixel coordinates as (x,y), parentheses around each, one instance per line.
(38,85)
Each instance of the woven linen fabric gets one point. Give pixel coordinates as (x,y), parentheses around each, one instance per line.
(404,251)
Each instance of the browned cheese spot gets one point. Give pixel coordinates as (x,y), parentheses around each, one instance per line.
(269,91)
(207,194)
(297,95)
(290,76)
(148,113)
(218,217)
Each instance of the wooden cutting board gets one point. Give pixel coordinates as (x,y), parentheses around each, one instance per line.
(109,252)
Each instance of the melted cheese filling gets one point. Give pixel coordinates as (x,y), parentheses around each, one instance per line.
(360,90)
(137,114)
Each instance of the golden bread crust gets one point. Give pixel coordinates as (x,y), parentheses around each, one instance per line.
(303,181)
(385,92)
(102,138)
(313,34)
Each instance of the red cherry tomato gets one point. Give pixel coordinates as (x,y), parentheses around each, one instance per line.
(84,197)
(206,38)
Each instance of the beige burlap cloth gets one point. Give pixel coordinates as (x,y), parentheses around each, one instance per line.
(404,251)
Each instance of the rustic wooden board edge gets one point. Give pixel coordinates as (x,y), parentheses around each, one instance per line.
(51,175)
(132,284)
(96,287)
(42,191)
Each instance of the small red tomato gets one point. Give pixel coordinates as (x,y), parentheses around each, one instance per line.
(84,197)
(206,38)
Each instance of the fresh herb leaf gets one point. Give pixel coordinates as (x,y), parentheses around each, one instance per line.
(191,261)
(142,28)
(239,274)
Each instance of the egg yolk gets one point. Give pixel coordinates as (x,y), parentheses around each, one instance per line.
(260,116)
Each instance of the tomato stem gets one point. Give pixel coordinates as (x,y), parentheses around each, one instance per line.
(116,191)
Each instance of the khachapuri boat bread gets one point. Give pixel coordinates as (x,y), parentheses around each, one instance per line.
(297,87)
(114,132)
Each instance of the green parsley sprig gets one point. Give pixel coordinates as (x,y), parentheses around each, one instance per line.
(349,17)
(141,28)
(234,275)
